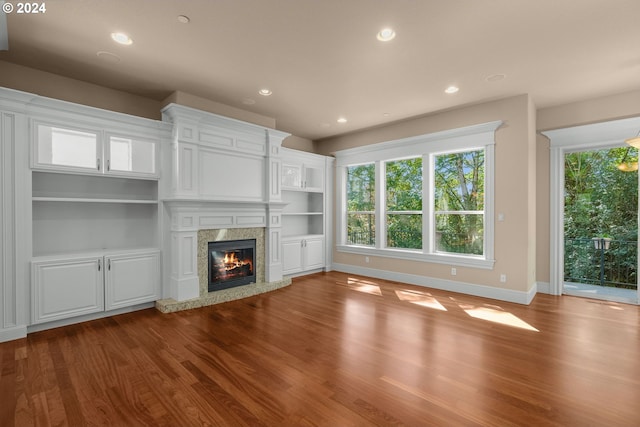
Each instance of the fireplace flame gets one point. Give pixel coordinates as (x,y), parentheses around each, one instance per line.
(231,261)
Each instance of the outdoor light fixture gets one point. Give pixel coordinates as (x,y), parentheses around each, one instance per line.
(634,142)
(629,166)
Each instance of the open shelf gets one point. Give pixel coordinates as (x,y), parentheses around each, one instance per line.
(303,202)
(83,213)
(63,227)
(93,189)
(84,200)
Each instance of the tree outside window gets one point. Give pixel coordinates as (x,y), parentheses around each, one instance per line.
(404,203)
(361,204)
(459,202)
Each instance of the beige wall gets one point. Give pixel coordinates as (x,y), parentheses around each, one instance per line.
(58,87)
(54,86)
(595,110)
(542,209)
(298,143)
(203,104)
(607,108)
(515,185)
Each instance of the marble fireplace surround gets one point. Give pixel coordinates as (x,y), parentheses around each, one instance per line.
(189,254)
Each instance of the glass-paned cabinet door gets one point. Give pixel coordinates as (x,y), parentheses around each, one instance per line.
(314,178)
(131,156)
(291,176)
(65,148)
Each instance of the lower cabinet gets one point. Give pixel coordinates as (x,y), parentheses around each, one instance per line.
(302,254)
(75,286)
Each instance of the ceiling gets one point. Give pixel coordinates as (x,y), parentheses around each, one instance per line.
(321,58)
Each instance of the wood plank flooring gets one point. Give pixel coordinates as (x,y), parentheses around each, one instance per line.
(335,350)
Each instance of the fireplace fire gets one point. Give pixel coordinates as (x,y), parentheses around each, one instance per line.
(231,263)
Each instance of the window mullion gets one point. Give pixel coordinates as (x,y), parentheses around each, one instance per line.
(381,204)
(427,204)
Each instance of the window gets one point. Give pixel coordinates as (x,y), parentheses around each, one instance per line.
(404,203)
(361,202)
(458,213)
(424,198)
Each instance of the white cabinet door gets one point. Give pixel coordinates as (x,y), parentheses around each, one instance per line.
(313,253)
(302,254)
(131,156)
(291,256)
(313,178)
(63,148)
(131,279)
(66,288)
(292,177)
(301,176)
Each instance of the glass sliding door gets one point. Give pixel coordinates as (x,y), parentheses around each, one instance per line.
(601,223)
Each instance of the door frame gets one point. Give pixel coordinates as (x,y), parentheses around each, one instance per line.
(596,136)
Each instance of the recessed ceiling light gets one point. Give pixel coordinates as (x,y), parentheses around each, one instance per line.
(386,34)
(108,56)
(248,101)
(495,77)
(342,120)
(386,114)
(183,19)
(452,89)
(121,38)
(265,92)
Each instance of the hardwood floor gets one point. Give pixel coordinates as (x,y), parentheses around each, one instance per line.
(335,350)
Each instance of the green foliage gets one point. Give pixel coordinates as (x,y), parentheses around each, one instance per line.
(404,193)
(459,179)
(601,201)
(361,204)
(459,203)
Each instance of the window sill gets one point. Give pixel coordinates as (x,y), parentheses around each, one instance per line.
(449,259)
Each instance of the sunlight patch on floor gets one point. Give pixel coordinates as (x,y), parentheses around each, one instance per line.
(364,286)
(497,315)
(419,298)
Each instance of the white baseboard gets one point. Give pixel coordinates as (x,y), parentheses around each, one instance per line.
(442,284)
(14,333)
(544,287)
(88,317)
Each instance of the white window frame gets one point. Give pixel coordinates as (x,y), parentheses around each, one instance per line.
(387,212)
(468,138)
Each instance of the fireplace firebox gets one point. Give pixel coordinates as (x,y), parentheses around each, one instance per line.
(231,263)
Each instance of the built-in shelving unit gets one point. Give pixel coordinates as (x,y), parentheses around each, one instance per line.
(75,213)
(95,212)
(304,217)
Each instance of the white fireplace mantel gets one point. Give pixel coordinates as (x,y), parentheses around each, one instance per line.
(224,174)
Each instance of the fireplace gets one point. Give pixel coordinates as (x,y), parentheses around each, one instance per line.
(231,263)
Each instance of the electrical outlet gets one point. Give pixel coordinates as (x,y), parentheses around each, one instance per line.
(366,259)
(454,271)
(503,278)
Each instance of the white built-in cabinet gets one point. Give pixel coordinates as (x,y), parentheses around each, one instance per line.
(70,286)
(95,213)
(64,147)
(304,217)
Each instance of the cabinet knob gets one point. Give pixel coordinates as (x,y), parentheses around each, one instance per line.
(99,265)
(98,163)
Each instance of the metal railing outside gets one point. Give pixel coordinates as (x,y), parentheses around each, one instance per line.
(601,261)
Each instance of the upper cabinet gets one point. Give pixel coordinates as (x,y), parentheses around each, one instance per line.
(131,156)
(302,174)
(66,148)
(95,151)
